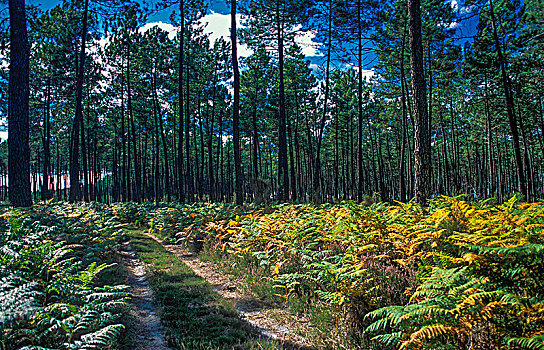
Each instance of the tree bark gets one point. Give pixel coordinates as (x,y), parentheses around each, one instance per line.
(404,114)
(521,183)
(236,107)
(283,176)
(47,143)
(360,174)
(75,188)
(181,191)
(18,100)
(317,191)
(422,145)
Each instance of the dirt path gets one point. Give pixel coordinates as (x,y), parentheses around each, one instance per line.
(144,327)
(253,310)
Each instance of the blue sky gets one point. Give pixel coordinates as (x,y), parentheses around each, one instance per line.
(218,25)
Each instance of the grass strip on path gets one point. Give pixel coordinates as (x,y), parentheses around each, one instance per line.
(194,315)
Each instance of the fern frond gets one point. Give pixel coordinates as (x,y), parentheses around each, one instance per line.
(532,343)
(101,339)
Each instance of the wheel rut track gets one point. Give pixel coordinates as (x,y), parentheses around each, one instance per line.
(144,326)
(253,310)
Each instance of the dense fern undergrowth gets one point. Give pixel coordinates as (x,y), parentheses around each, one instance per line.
(54,291)
(454,275)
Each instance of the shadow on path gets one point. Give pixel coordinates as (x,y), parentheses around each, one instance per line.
(197,313)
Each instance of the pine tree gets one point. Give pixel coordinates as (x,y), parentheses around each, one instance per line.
(18,132)
(236,106)
(274,22)
(422,145)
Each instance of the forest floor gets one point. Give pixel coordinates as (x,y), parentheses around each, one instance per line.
(200,306)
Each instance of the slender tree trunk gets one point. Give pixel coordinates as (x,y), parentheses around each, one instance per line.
(521,183)
(404,115)
(317,191)
(189,166)
(156,147)
(84,158)
(18,109)
(180,182)
(202,168)
(137,173)
(422,146)
(283,176)
(236,107)
(47,143)
(255,137)
(491,175)
(360,175)
(167,186)
(211,181)
(75,188)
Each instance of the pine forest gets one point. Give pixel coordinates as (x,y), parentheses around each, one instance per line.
(272,174)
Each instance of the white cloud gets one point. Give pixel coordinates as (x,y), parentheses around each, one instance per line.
(305,39)
(467,9)
(218,26)
(454,25)
(461,8)
(167,27)
(314,67)
(367,73)
(454,5)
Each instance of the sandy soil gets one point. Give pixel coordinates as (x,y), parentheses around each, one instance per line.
(144,327)
(258,313)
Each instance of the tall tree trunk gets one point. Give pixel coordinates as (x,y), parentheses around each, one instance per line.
(404,115)
(360,174)
(236,107)
(137,173)
(167,186)
(202,167)
(521,183)
(211,177)
(255,137)
(489,135)
(156,158)
(18,122)
(124,170)
(47,143)
(181,190)
(317,191)
(75,189)
(422,145)
(283,176)
(189,166)
(84,158)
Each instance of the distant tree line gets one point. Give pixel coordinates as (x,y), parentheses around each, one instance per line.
(101,110)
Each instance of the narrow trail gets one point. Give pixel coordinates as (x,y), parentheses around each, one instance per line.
(144,327)
(263,316)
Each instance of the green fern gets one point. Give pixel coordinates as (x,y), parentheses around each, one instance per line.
(19,300)
(532,343)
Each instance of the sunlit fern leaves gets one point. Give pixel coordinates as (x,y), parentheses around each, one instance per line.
(19,300)
(535,342)
(450,276)
(50,262)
